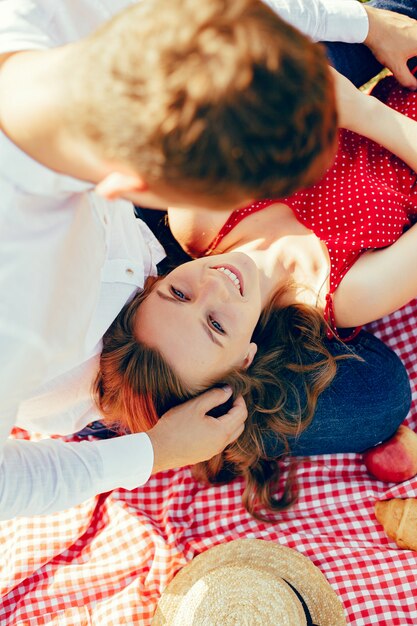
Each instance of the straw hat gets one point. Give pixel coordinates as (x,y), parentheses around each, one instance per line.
(249,582)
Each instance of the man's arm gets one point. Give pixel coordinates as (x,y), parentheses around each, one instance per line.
(325,20)
(50,475)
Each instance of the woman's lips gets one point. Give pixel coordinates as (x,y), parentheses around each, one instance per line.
(233,274)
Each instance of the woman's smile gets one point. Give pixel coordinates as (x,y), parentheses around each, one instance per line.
(233,275)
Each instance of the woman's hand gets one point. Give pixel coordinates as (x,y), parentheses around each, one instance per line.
(186,435)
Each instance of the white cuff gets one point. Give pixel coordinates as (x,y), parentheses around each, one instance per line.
(127,461)
(346,21)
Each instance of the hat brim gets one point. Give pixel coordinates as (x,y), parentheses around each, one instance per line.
(267,562)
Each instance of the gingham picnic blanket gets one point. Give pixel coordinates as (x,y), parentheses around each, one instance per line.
(106,562)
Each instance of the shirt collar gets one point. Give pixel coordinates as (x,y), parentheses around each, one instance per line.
(32,177)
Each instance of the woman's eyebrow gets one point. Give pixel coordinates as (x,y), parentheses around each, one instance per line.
(166,296)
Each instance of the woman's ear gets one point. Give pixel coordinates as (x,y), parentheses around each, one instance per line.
(253,348)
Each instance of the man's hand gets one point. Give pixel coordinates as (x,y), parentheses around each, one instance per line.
(186,434)
(392,38)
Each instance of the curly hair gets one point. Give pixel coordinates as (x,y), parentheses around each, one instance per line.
(217,98)
(292,366)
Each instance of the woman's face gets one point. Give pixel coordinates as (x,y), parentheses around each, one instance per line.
(202,315)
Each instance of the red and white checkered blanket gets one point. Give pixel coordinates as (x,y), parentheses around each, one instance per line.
(105,562)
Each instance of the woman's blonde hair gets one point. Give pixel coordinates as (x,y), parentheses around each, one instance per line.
(135,386)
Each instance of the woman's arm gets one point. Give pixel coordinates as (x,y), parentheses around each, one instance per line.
(380,282)
(371,118)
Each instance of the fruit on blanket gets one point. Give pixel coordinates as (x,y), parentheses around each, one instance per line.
(399,519)
(394,460)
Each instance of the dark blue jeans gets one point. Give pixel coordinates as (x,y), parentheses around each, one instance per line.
(355,60)
(366,402)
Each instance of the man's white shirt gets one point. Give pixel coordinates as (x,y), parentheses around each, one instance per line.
(69,261)
(325,20)
(42,23)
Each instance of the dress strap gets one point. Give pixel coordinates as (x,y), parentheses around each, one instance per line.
(234,218)
(332,331)
(336,276)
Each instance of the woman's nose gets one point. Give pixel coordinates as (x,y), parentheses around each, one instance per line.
(214,286)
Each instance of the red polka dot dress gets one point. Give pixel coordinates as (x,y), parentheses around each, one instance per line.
(365,201)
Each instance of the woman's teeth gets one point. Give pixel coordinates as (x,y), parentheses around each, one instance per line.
(230,275)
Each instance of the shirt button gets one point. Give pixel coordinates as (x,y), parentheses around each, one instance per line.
(129,271)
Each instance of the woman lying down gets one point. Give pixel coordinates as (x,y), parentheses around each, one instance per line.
(264,305)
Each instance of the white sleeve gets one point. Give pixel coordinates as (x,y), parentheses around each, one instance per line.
(51,475)
(325,20)
(23,359)
(39,24)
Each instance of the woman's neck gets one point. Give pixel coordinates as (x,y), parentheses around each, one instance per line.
(285,252)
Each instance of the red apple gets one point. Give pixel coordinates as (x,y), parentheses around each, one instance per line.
(394,460)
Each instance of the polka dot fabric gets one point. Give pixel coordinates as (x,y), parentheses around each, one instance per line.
(365,201)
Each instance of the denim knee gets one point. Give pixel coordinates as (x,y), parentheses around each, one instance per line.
(366,402)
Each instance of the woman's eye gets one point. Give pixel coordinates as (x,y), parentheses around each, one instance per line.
(177,293)
(218,327)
